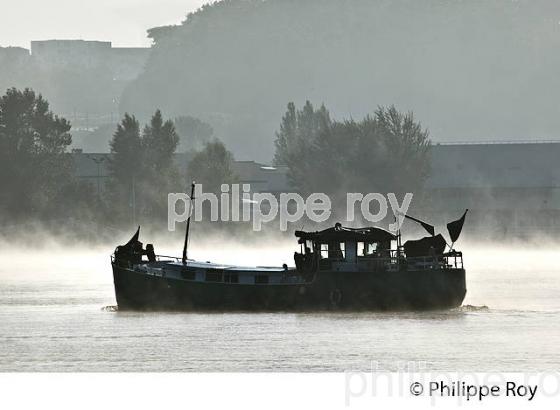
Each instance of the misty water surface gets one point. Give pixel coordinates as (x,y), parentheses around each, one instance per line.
(53,319)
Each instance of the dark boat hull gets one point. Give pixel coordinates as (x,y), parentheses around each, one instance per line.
(351,291)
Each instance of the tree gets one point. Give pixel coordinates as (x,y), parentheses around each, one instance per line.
(386,152)
(408,146)
(159,143)
(294,141)
(212,166)
(33,162)
(126,148)
(126,164)
(142,167)
(193,133)
(286,137)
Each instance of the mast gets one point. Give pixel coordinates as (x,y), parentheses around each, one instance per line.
(399,243)
(186,244)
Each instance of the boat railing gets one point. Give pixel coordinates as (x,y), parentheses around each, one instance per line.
(159,258)
(446,260)
(454,259)
(166,258)
(393,259)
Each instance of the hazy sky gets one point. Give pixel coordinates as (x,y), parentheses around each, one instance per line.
(124,22)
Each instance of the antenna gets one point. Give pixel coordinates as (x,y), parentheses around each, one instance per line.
(185,246)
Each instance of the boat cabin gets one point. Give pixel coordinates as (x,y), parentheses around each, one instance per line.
(370,249)
(341,248)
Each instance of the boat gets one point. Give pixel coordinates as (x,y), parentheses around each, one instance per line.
(338,268)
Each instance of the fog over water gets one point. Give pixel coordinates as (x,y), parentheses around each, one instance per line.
(324,88)
(53,319)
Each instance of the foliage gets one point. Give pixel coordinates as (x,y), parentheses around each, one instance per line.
(193,133)
(126,147)
(294,142)
(159,142)
(125,164)
(142,167)
(386,152)
(212,167)
(160,174)
(34,166)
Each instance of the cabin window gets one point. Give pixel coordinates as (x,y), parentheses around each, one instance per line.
(213,276)
(333,250)
(231,278)
(367,249)
(260,279)
(362,249)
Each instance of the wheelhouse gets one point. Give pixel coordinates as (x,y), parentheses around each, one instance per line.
(345,248)
(370,249)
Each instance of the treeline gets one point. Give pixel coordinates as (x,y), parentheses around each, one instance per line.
(38,182)
(34,167)
(143,170)
(384,152)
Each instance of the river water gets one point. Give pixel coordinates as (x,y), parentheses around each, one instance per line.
(56,315)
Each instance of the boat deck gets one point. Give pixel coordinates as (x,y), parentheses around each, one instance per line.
(218,266)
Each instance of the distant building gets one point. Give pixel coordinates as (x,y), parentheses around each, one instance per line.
(89,76)
(75,53)
(511,188)
(262,178)
(500,172)
(126,63)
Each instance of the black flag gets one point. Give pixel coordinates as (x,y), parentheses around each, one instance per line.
(454,228)
(426,226)
(134,239)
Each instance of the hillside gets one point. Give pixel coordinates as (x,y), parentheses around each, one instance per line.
(237,63)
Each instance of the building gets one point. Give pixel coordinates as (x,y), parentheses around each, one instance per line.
(126,63)
(70,53)
(513,186)
(93,167)
(83,80)
(261,177)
